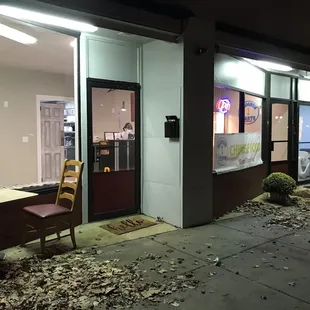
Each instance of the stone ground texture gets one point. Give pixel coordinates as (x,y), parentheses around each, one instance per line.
(241,262)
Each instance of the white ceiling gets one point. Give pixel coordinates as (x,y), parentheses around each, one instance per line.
(52,53)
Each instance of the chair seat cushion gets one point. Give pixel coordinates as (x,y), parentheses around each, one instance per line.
(46,210)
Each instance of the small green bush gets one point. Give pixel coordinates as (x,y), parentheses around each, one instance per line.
(279,183)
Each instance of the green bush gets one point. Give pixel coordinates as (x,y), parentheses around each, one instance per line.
(279,183)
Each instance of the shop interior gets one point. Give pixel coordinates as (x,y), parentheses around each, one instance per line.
(113,121)
(37,105)
(287,90)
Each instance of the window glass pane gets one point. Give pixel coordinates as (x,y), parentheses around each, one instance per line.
(240,74)
(279,114)
(253,114)
(304,143)
(280,86)
(226,111)
(113,129)
(280,151)
(303,90)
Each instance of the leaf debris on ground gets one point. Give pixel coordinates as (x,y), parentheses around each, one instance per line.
(81,281)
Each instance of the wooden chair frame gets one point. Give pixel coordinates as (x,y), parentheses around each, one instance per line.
(37,223)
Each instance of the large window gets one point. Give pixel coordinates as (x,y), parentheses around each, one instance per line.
(304,143)
(236,113)
(38,112)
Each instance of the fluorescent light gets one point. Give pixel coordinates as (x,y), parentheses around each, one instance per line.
(269,65)
(46,19)
(16,35)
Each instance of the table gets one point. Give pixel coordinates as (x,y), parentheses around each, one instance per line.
(7,195)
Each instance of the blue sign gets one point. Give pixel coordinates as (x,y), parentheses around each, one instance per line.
(251,112)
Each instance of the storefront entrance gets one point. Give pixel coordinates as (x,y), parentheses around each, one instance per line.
(281,133)
(113,148)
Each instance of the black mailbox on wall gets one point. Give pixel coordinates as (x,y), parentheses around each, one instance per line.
(172,127)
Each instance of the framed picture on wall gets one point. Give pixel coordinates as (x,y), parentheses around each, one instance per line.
(109,136)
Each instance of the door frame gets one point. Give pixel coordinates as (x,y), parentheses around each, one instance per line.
(40,98)
(102,83)
(298,104)
(291,136)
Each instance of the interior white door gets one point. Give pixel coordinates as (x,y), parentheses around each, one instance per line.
(52,140)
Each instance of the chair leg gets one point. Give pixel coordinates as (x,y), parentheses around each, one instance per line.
(72,234)
(58,233)
(42,238)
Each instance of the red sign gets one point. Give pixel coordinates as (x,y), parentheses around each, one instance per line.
(223,105)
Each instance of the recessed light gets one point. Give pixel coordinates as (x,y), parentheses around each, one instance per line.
(46,19)
(267,65)
(16,35)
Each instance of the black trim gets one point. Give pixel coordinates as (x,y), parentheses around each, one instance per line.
(101,83)
(241,111)
(225,27)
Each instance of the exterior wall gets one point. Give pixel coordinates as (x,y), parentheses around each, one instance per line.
(162,93)
(198,123)
(19,88)
(233,189)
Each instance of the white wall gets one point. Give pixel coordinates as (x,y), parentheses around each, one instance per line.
(162,81)
(18,160)
(107,114)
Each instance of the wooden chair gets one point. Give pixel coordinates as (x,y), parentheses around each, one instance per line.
(43,217)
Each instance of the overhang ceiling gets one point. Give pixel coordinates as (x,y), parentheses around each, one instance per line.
(52,53)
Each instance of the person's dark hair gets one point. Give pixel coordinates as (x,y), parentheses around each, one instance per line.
(127,126)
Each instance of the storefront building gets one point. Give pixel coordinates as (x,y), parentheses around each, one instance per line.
(128,81)
(132,70)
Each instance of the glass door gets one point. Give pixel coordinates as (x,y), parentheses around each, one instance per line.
(280,137)
(114,149)
(304,143)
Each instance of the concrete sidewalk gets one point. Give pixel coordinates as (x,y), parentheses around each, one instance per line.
(260,268)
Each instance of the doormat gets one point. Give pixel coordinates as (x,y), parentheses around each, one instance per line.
(124,226)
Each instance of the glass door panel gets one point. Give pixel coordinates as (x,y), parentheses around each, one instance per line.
(279,137)
(304,143)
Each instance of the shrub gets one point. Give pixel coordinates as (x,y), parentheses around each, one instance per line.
(280,186)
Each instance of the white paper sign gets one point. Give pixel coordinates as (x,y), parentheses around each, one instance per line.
(236,151)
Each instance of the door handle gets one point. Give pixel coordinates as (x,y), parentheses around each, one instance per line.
(272,146)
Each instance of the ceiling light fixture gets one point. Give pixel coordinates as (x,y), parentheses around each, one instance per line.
(16,35)
(269,65)
(306,76)
(46,19)
(73,43)
(123,109)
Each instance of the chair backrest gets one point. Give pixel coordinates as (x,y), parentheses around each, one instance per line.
(70,181)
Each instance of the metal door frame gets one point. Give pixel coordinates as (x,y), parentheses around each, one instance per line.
(101,83)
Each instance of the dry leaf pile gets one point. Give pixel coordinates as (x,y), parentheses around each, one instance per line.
(293,217)
(78,281)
